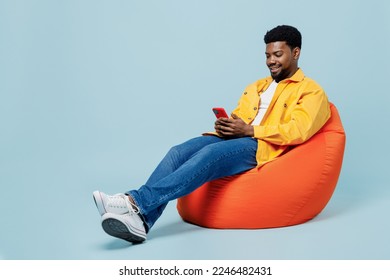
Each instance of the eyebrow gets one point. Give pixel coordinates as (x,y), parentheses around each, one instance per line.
(274,52)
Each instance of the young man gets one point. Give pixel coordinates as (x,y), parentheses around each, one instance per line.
(272,115)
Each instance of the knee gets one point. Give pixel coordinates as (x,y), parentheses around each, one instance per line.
(175,153)
(175,150)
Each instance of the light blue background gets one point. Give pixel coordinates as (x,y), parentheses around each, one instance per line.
(93,93)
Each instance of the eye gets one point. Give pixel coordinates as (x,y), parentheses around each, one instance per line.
(278,54)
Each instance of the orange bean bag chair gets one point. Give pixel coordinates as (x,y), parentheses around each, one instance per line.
(290,190)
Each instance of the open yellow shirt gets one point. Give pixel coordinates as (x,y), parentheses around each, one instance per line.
(298,109)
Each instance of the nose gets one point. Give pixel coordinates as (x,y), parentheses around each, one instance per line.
(271,60)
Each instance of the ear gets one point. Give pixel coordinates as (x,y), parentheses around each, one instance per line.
(296,52)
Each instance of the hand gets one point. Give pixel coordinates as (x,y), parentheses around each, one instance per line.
(233,128)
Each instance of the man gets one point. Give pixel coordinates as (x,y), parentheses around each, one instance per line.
(273,114)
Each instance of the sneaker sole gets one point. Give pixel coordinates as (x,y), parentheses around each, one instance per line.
(118,229)
(99,203)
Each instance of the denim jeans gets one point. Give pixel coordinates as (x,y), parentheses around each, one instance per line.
(188,166)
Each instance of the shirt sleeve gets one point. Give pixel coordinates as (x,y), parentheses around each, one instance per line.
(307,117)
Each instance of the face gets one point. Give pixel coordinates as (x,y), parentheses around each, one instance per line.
(282,61)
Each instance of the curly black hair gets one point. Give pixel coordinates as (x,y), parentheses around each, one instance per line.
(286,33)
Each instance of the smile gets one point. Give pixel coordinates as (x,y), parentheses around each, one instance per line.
(274,69)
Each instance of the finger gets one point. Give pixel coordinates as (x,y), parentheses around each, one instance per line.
(226,128)
(219,128)
(222,121)
(225,121)
(219,121)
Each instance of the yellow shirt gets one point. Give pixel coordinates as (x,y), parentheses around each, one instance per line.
(298,109)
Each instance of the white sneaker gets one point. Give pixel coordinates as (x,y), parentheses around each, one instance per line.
(129,226)
(117,204)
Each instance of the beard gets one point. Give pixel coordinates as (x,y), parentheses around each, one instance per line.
(281,75)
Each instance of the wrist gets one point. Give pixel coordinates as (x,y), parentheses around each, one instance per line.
(250,131)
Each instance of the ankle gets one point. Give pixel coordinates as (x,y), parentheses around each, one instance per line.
(136,208)
(132,202)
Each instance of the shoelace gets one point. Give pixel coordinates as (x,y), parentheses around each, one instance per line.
(131,205)
(118,199)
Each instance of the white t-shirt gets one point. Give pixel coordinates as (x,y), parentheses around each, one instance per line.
(266,98)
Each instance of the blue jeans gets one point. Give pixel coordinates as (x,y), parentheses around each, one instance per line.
(188,166)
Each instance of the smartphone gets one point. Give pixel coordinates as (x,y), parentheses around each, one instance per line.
(220,113)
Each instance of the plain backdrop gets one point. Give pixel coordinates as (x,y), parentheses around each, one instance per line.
(93,93)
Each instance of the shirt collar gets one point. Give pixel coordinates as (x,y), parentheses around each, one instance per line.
(297,77)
